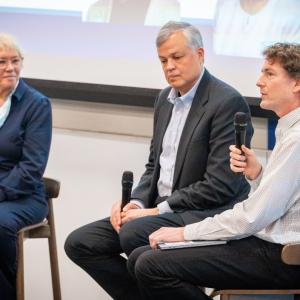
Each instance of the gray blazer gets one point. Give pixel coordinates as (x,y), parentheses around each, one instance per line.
(203,183)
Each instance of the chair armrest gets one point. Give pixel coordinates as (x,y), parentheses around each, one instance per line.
(290,254)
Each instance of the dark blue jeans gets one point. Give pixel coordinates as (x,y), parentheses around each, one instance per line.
(15,215)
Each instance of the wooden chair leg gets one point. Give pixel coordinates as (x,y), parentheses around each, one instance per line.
(54,268)
(53,255)
(20,267)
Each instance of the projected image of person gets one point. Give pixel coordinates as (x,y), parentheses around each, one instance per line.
(148,12)
(245,27)
(187,176)
(256,229)
(25,136)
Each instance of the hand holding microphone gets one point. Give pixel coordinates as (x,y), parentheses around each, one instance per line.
(129,210)
(242,159)
(115,215)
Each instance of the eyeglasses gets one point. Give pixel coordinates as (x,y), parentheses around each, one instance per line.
(16,62)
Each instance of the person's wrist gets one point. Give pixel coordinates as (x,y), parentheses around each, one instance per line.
(154,211)
(253,175)
(182,233)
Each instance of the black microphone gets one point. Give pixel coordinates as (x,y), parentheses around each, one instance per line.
(127,182)
(240,124)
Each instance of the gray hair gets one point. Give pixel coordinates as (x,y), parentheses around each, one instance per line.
(7,41)
(191,33)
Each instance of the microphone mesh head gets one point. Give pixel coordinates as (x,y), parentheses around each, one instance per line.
(127,177)
(240,118)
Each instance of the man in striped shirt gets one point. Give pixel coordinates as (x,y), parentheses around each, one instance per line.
(257,228)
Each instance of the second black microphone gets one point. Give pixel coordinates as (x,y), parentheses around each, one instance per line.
(127,182)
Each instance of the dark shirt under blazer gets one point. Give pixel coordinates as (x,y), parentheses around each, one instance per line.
(203,183)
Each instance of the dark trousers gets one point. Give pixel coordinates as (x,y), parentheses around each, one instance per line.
(249,263)
(14,215)
(96,248)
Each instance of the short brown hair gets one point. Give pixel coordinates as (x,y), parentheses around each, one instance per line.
(288,55)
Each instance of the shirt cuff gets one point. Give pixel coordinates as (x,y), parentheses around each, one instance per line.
(188,233)
(2,195)
(138,203)
(255,183)
(164,207)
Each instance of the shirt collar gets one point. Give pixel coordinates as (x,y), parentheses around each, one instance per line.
(189,96)
(5,108)
(19,90)
(287,121)
(5,104)
(13,91)
(8,98)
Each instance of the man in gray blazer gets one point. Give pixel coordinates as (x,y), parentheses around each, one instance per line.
(187,176)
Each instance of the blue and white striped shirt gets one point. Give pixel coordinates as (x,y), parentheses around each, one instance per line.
(167,160)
